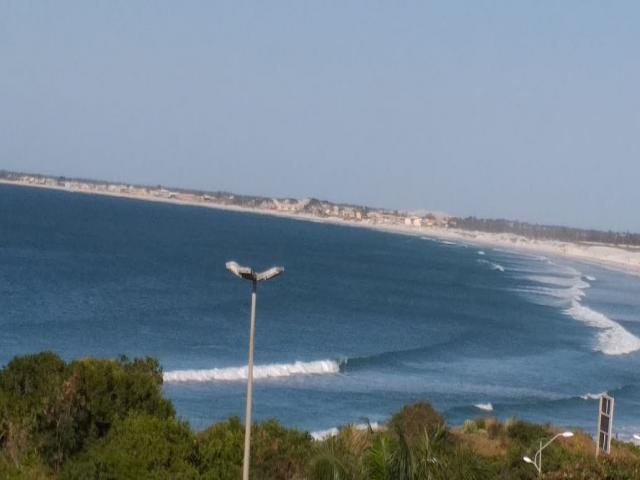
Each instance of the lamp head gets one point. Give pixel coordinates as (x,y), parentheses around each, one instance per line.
(636,436)
(269,274)
(239,271)
(249,274)
(527,459)
(567,434)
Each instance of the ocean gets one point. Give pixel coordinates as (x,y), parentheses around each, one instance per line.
(361,323)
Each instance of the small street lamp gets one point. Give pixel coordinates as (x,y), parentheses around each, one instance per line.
(537,459)
(247,273)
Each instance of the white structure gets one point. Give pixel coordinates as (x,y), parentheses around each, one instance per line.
(605,424)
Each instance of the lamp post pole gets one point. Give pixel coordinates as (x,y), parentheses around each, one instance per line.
(537,459)
(247,273)
(247,416)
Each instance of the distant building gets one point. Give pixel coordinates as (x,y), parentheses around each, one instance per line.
(164,193)
(413,221)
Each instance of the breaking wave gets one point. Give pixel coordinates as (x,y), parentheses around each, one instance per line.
(260,372)
(486,407)
(592,396)
(565,290)
(332,432)
(614,339)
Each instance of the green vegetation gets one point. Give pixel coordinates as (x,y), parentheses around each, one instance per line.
(107,419)
(549,232)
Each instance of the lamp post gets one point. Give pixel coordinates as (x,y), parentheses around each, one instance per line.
(537,459)
(247,273)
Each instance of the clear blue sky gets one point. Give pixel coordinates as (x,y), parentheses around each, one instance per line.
(519,109)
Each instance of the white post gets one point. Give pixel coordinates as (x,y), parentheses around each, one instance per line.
(540,461)
(247,417)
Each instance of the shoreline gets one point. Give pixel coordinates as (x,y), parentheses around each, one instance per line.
(608,256)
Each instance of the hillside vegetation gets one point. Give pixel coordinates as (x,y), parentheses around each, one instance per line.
(108,419)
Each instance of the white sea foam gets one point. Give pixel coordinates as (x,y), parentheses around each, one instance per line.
(567,282)
(332,432)
(614,339)
(260,372)
(324,434)
(592,396)
(492,265)
(486,407)
(565,290)
(564,269)
(480,252)
(563,296)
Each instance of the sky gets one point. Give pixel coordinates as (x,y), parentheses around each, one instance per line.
(513,109)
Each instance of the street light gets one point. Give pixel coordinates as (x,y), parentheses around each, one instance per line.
(537,459)
(248,273)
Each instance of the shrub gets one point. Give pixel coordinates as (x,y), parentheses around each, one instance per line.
(380,459)
(413,421)
(513,467)
(221,450)
(493,428)
(102,391)
(29,471)
(276,452)
(470,426)
(335,459)
(141,446)
(526,433)
(464,464)
(619,468)
(30,379)
(30,387)
(55,408)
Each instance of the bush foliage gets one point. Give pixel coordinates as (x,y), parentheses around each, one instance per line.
(108,419)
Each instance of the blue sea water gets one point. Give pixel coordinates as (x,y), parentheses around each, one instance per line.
(361,323)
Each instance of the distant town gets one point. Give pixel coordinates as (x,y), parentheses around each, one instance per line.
(307,206)
(323,209)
